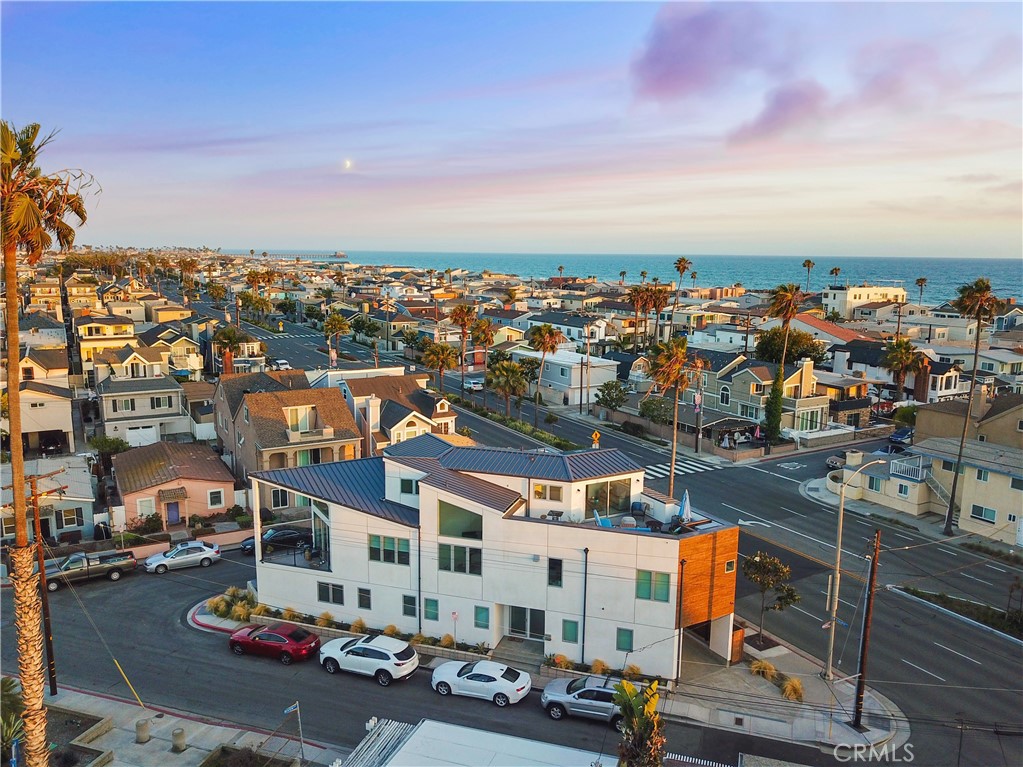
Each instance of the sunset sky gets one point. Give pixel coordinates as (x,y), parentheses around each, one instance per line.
(714,128)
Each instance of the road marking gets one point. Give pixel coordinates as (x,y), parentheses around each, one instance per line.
(841,600)
(979,580)
(861,522)
(744,523)
(954,652)
(996,568)
(779,476)
(921,669)
(794,532)
(947,551)
(804,612)
(790,511)
(906,537)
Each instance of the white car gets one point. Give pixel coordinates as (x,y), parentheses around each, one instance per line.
(381,657)
(187,554)
(282,365)
(472,385)
(482,679)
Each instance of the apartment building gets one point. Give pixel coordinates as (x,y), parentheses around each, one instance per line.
(97,333)
(843,300)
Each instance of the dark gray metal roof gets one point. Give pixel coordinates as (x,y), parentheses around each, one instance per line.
(468,487)
(137,385)
(357,485)
(423,446)
(561,467)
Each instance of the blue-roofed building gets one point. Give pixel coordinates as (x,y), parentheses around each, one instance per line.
(543,547)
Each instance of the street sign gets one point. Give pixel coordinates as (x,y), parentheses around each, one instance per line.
(595,436)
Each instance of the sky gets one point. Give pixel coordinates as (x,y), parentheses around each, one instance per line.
(842,129)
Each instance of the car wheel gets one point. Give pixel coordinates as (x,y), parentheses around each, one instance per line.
(331,666)
(501,700)
(114,575)
(443,688)
(617,724)
(52,585)
(205,562)
(556,711)
(383,678)
(237,649)
(161,569)
(286,658)
(268,549)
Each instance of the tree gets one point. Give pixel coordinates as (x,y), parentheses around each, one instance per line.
(12,707)
(902,358)
(508,380)
(800,344)
(639,297)
(921,282)
(462,316)
(410,338)
(669,367)
(561,272)
(334,326)
(483,335)
(287,307)
(511,294)
(621,277)
(611,395)
(774,408)
(228,341)
(769,573)
(808,265)
(545,339)
(313,313)
(692,275)
(977,302)
(35,208)
(496,356)
(658,302)
(216,292)
(835,271)
(682,265)
(440,357)
(643,740)
(785,301)
(657,409)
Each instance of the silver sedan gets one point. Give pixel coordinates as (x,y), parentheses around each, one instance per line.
(188,554)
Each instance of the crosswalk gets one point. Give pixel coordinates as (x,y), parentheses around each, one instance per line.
(263,336)
(682,466)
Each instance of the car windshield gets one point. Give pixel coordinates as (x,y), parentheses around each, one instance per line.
(576,685)
(299,634)
(350,643)
(510,674)
(467,669)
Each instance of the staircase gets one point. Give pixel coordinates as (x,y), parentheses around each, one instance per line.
(523,654)
(943,495)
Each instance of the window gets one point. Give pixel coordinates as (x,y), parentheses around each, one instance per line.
(410,486)
(330,592)
(982,475)
(365,599)
(1016,483)
(158,403)
(623,641)
(481,617)
(981,438)
(569,631)
(216,499)
(983,513)
(456,522)
(278,498)
(748,411)
(408,605)
(554,572)
(383,548)
(950,466)
(874,484)
(726,395)
(460,559)
(1019,425)
(145,506)
(69,518)
(37,404)
(1012,517)
(547,492)
(653,586)
(989,366)
(28,374)
(430,609)
(730,566)
(564,372)
(125,405)
(903,490)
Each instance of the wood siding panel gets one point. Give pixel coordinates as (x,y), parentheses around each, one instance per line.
(708,592)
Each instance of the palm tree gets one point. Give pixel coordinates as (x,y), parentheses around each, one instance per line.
(561,272)
(692,275)
(187,267)
(642,276)
(835,271)
(544,339)
(921,282)
(902,358)
(658,302)
(228,341)
(682,265)
(430,273)
(254,278)
(448,272)
(440,357)
(35,206)
(510,295)
(216,291)
(808,265)
(334,326)
(507,379)
(639,297)
(483,331)
(669,367)
(462,316)
(977,302)
(785,301)
(621,277)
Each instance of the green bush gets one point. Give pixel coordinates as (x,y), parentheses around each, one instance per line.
(244,520)
(634,428)
(151,523)
(235,511)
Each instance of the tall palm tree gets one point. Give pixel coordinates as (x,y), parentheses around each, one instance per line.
(621,277)
(544,339)
(658,302)
(217,292)
(430,273)
(977,302)
(682,265)
(561,272)
(483,331)
(511,294)
(187,267)
(921,282)
(334,326)
(642,277)
(254,278)
(808,265)
(440,357)
(228,341)
(785,303)
(669,367)
(638,297)
(462,316)
(692,275)
(35,206)
(835,271)
(507,379)
(902,358)
(449,271)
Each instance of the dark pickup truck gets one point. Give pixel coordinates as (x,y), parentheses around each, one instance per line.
(82,567)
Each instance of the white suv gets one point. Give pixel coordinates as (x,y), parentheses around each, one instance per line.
(381,657)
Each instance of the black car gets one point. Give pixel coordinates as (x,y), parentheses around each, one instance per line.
(285,538)
(248,546)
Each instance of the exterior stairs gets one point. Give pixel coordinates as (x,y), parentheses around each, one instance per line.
(523,654)
(942,494)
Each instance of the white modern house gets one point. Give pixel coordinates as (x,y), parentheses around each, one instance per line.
(567,377)
(488,543)
(844,299)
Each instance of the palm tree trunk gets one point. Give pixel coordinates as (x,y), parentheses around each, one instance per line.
(674,446)
(536,397)
(25,582)
(635,334)
(507,405)
(461,362)
(949,513)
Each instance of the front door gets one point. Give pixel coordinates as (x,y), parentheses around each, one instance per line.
(173,515)
(524,622)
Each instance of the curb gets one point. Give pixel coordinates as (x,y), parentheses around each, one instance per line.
(954,614)
(194,621)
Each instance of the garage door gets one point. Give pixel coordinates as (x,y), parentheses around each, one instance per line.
(143,435)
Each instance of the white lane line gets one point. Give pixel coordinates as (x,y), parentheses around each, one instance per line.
(921,669)
(861,522)
(947,551)
(794,532)
(779,476)
(979,580)
(954,652)
(840,600)
(906,537)
(996,568)
(790,511)
(804,612)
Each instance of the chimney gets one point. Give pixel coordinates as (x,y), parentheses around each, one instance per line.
(979,400)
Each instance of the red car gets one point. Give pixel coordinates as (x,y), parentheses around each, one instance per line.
(284,641)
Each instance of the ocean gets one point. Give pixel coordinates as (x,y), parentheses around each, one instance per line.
(943,275)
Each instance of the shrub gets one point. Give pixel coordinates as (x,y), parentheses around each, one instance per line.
(243,520)
(417,638)
(792,689)
(633,428)
(599,667)
(358,626)
(235,511)
(261,610)
(763,668)
(218,606)
(480,648)
(562,661)
(390,630)
(234,592)
(249,598)
(551,418)
(325,620)
(631,671)
(151,523)
(431,641)
(241,612)
(290,614)
(447,641)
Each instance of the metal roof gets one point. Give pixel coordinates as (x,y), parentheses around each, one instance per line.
(137,385)
(463,485)
(423,446)
(559,467)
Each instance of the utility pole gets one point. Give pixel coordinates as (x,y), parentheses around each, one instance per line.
(680,617)
(586,328)
(861,679)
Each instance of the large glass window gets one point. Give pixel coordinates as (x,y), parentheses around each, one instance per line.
(456,522)
(330,592)
(614,497)
(408,605)
(431,610)
(983,513)
(554,572)
(653,586)
(383,548)
(459,559)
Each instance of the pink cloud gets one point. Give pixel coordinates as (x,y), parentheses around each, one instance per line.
(789,107)
(901,74)
(693,49)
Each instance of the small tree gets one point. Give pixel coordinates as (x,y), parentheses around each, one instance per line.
(773,410)
(769,573)
(657,409)
(611,395)
(643,741)
(314,313)
(801,344)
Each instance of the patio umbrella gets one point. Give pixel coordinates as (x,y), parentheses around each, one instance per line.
(756,433)
(687,510)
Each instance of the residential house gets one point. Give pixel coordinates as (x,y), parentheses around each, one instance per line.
(843,300)
(828,333)
(504,317)
(81,294)
(569,378)
(633,370)
(42,330)
(577,328)
(39,364)
(490,543)
(198,396)
(938,380)
(887,312)
(250,357)
(998,420)
(174,481)
(138,402)
(162,311)
(46,425)
(184,353)
(390,409)
(132,310)
(849,397)
(96,333)
(44,294)
(66,512)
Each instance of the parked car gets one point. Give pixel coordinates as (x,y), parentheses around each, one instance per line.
(472,385)
(381,657)
(285,538)
(248,546)
(903,436)
(891,449)
(589,696)
(281,365)
(187,554)
(284,641)
(482,679)
(83,567)
(836,461)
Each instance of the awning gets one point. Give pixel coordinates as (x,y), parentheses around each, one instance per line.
(174,494)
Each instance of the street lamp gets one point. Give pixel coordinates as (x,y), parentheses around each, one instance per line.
(833,611)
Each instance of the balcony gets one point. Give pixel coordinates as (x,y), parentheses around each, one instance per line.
(916,467)
(311,435)
(845,405)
